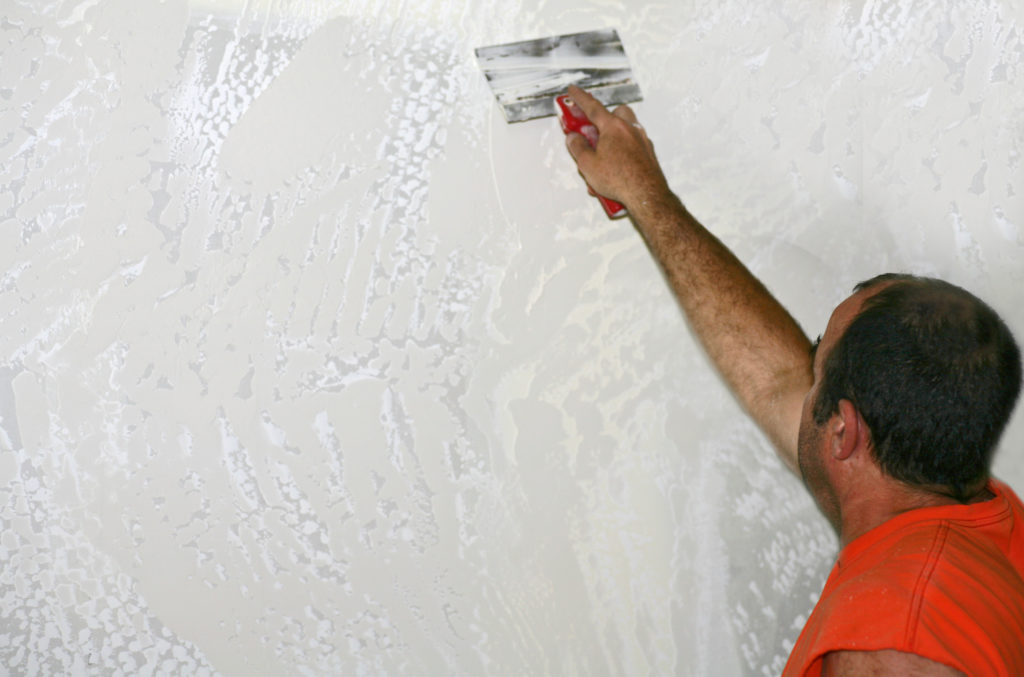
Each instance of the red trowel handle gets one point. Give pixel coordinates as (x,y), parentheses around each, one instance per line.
(573,120)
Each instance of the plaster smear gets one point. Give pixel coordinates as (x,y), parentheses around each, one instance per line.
(311,364)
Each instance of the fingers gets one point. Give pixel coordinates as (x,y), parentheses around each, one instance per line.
(622,165)
(627,114)
(590,106)
(596,111)
(578,145)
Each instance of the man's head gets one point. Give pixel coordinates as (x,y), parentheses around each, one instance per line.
(935,374)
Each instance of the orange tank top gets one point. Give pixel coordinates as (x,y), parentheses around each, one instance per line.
(944,583)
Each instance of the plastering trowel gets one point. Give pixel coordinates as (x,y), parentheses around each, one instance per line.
(529,79)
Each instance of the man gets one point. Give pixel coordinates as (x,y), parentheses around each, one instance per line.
(891,419)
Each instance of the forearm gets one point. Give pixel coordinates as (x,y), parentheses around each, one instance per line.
(749,336)
(752,340)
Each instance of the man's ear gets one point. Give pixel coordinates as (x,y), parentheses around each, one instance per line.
(847,429)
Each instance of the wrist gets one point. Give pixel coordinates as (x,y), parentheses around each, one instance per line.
(655,204)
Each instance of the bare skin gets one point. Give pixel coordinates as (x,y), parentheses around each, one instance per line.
(872,663)
(753,340)
(758,348)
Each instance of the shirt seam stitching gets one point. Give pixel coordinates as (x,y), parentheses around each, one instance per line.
(923,581)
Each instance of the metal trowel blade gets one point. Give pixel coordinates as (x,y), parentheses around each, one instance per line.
(526,76)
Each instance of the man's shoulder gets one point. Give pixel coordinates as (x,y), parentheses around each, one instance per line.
(936,583)
(967,557)
(883,662)
(985,534)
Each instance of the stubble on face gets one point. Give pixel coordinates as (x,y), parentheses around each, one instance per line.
(812,451)
(811,461)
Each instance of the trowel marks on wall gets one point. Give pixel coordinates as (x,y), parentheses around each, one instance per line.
(264,415)
(207,340)
(253,391)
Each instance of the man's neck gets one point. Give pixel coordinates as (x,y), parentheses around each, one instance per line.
(887,498)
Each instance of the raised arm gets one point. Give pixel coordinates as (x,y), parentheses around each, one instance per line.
(753,341)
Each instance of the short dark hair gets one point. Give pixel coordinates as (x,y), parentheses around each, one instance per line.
(935,373)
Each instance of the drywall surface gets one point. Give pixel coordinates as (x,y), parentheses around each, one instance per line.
(312,365)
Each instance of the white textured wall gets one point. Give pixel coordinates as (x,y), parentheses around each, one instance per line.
(312,365)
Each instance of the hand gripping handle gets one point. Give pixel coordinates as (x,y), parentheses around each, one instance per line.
(573,120)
